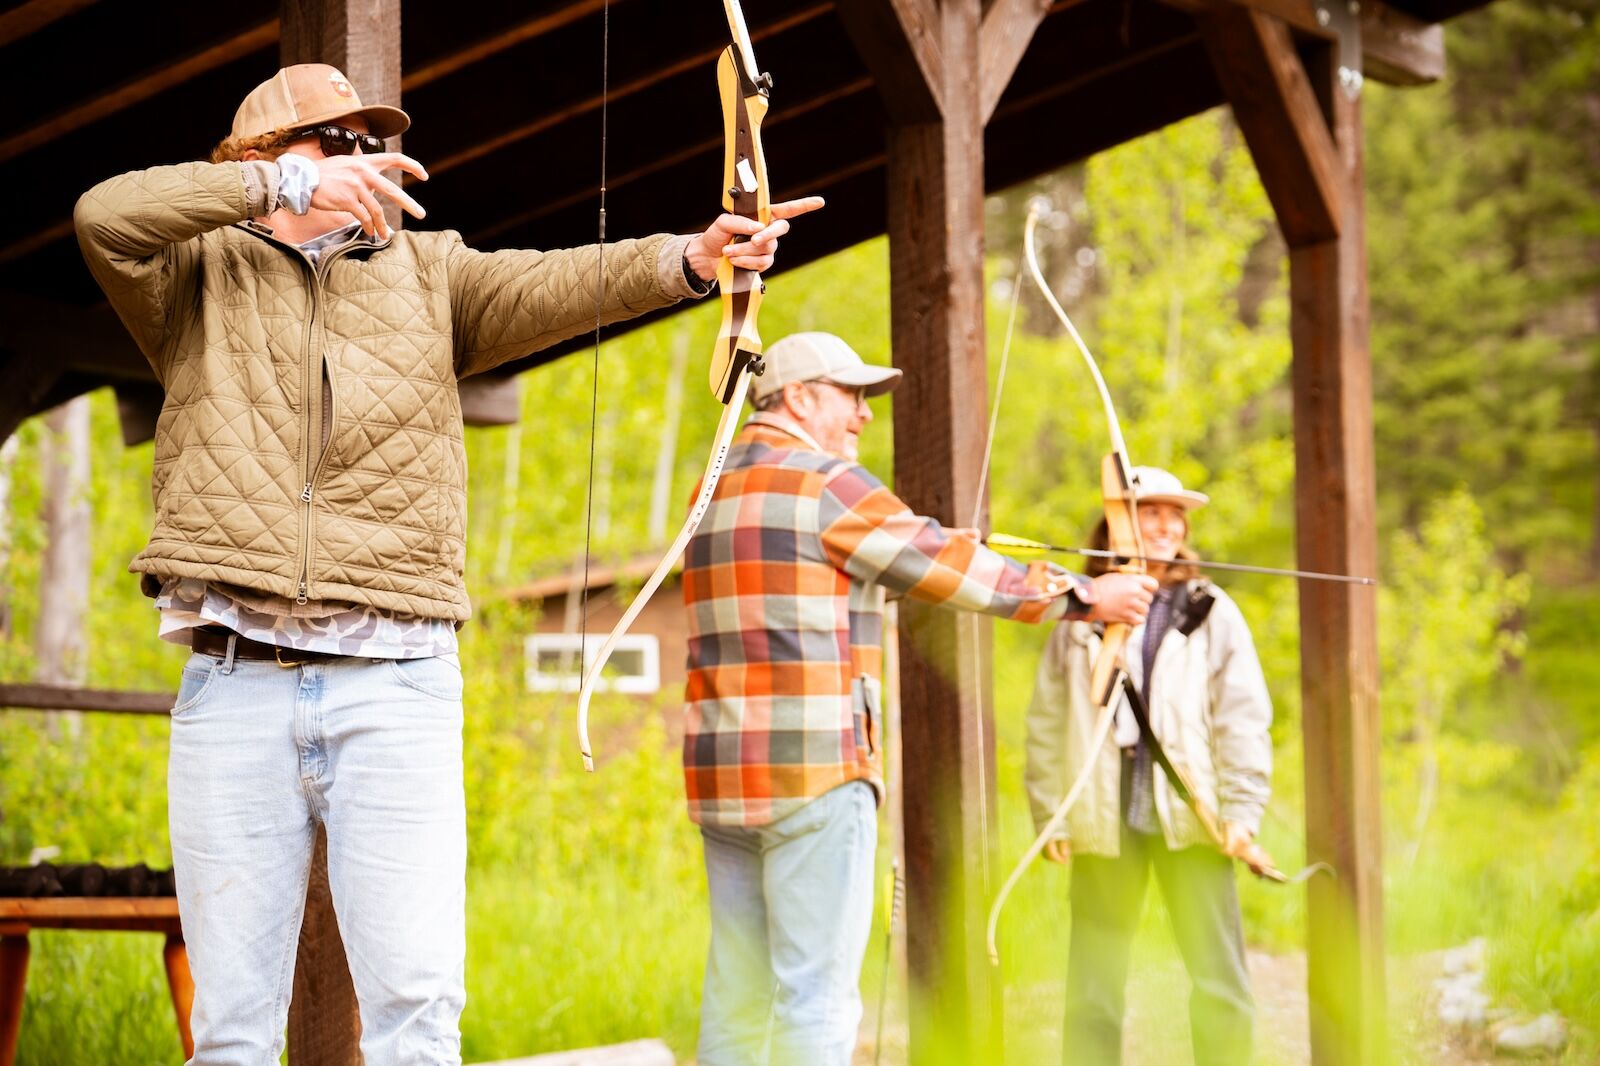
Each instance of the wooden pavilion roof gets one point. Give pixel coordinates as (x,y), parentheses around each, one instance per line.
(505,101)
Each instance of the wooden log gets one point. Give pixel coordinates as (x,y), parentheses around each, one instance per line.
(165,77)
(13,984)
(1397,49)
(324,1024)
(92,912)
(1335,508)
(900,42)
(33,15)
(180,983)
(73,698)
(935,216)
(1272,101)
(1007,28)
(362,39)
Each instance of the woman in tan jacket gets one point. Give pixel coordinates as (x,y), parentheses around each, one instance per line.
(1196,667)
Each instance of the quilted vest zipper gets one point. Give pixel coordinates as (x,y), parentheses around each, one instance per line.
(315,367)
(316,418)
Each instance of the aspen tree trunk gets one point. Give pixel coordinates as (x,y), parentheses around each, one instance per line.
(667,453)
(64,571)
(508,504)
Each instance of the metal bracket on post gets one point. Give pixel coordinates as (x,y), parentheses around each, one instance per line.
(1343,19)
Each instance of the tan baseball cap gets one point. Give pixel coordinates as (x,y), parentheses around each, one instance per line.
(820,357)
(1151,484)
(309,94)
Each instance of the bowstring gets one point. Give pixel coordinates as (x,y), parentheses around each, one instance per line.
(599,308)
(977,652)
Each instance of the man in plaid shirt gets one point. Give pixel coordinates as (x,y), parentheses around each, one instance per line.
(785,584)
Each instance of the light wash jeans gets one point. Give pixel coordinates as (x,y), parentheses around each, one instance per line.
(791,909)
(371,749)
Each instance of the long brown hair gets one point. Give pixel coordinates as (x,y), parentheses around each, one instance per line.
(269,145)
(1175,574)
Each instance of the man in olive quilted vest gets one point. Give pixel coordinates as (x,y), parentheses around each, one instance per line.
(310,534)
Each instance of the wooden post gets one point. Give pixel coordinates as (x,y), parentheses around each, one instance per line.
(13,985)
(180,983)
(940,69)
(1303,125)
(935,153)
(324,1026)
(362,39)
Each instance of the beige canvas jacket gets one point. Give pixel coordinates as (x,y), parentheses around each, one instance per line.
(242,331)
(1209,707)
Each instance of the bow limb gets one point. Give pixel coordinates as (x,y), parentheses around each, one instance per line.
(708,485)
(1256,858)
(737,355)
(1102,729)
(1122,524)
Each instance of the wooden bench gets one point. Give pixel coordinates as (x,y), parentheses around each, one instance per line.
(149,915)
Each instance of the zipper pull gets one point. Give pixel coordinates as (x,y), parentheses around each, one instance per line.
(305,493)
(301,599)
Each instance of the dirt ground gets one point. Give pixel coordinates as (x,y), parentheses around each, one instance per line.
(1156,1033)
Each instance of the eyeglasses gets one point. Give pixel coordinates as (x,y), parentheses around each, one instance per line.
(857,393)
(338,140)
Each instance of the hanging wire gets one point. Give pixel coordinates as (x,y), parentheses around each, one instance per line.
(599,307)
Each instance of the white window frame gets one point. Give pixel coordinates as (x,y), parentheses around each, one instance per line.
(644,683)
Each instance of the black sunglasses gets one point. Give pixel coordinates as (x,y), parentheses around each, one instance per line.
(337,140)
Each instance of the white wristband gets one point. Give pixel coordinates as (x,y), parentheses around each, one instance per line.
(298,179)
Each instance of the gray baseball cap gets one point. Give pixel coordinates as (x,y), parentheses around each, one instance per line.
(820,357)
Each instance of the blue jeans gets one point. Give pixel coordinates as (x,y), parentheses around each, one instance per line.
(372,750)
(791,909)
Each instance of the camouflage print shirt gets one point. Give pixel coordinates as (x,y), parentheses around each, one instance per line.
(334,628)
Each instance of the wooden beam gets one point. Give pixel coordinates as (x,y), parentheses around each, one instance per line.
(125,96)
(324,1025)
(29,380)
(577,109)
(361,38)
(73,698)
(1007,28)
(1336,530)
(490,400)
(1397,49)
(139,405)
(551,205)
(29,18)
(1256,62)
(935,217)
(900,42)
(538,26)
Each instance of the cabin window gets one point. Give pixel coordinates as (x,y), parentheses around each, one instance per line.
(554,665)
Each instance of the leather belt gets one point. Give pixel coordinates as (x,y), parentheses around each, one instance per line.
(213,640)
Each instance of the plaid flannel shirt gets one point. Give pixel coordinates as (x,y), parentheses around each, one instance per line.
(784,584)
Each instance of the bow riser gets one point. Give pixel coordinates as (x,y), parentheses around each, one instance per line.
(1122,528)
(744,192)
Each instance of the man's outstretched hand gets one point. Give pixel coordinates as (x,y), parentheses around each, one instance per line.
(353,183)
(758,252)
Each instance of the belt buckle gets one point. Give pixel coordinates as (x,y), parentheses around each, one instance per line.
(277,653)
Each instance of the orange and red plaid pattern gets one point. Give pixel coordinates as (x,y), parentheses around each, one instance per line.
(784,584)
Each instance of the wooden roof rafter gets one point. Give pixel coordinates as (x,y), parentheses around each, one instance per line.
(489,148)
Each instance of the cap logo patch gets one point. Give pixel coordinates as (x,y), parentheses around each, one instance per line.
(341,84)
